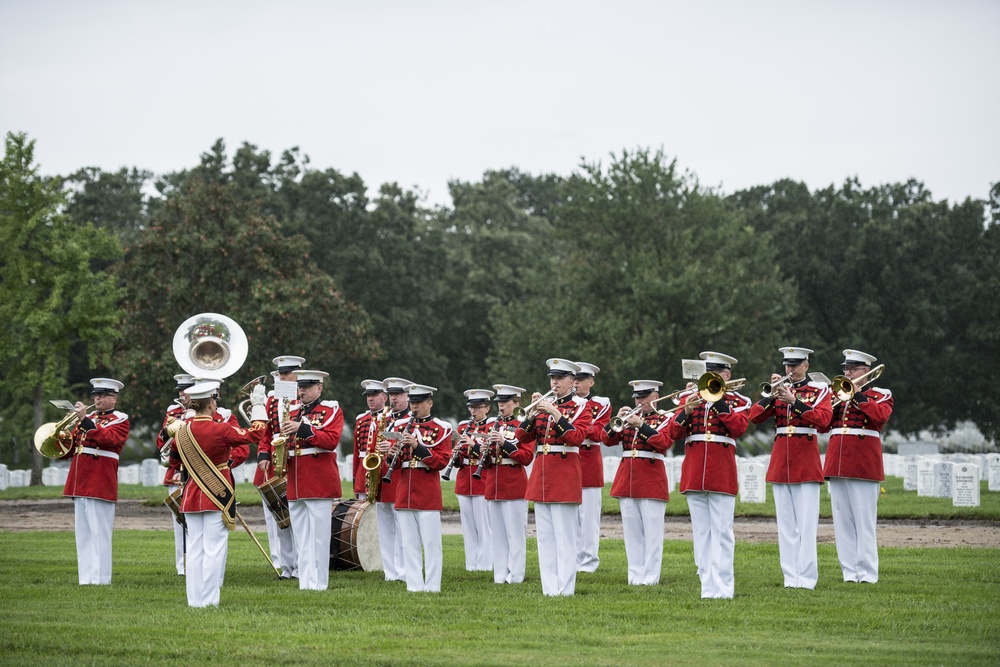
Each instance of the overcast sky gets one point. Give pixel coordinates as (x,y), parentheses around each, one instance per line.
(423,92)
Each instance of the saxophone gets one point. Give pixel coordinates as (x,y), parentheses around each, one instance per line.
(279,457)
(372,462)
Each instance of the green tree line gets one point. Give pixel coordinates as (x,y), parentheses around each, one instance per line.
(630,264)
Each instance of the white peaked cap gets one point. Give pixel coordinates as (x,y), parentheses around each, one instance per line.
(288,360)
(476,395)
(795,354)
(857,358)
(183,379)
(106,385)
(420,390)
(562,367)
(396,385)
(590,369)
(306,377)
(203,390)
(717,358)
(644,386)
(508,391)
(372,386)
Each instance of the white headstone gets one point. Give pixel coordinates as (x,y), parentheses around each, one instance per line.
(19,478)
(993,472)
(942,478)
(910,473)
(753,487)
(965,485)
(50,476)
(151,472)
(128,474)
(4,477)
(925,477)
(347,468)
(243,473)
(610,464)
(677,466)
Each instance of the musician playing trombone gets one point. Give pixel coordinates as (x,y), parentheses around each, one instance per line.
(800,409)
(471,492)
(708,475)
(641,481)
(92,481)
(556,430)
(854,469)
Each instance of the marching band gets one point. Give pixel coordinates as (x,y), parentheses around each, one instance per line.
(401,453)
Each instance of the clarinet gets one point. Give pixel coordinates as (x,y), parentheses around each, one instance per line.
(446,474)
(487,448)
(387,477)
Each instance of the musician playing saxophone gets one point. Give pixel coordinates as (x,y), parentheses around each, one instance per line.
(476,537)
(313,477)
(366,434)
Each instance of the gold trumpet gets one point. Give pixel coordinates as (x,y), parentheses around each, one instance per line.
(845,388)
(618,424)
(53,440)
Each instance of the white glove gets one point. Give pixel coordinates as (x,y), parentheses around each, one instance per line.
(257,412)
(258,395)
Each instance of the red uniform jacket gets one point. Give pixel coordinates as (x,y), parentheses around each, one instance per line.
(224,443)
(795,456)
(417,482)
(638,476)
(591,457)
(387,490)
(164,440)
(556,476)
(505,478)
(465,484)
(851,452)
(264,448)
(316,475)
(364,440)
(93,475)
(709,435)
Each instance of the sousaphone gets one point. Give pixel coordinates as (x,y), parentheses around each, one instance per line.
(210,346)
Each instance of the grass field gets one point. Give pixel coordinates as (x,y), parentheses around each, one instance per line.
(893,504)
(931,606)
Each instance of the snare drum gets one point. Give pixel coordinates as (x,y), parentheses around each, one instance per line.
(354,537)
(173,503)
(273,493)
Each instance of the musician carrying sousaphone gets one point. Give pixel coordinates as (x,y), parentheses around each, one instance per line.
(205,448)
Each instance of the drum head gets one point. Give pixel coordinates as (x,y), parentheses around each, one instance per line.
(354,537)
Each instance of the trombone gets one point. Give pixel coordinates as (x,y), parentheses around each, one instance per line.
(525,412)
(617,423)
(845,388)
(767,389)
(711,389)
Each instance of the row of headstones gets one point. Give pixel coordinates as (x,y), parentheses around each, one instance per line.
(988,464)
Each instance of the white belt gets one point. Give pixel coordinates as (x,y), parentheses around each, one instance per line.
(588,442)
(99,452)
(308,450)
(466,462)
(794,430)
(642,454)
(508,462)
(710,437)
(854,431)
(414,463)
(557,449)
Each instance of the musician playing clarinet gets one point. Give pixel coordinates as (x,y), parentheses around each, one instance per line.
(476,537)
(506,483)
(555,430)
(419,456)
(853,467)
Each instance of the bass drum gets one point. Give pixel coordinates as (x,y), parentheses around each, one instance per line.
(272,492)
(354,537)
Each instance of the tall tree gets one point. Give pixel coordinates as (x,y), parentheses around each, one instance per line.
(51,296)
(114,201)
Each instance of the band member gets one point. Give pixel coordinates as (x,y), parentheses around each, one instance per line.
(506,483)
(366,434)
(424,450)
(799,408)
(92,481)
(592,468)
(281,541)
(171,477)
(641,482)
(207,449)
(388,523)
(476,537)
(556,430)
(708,475)
(313,477)
(854,469)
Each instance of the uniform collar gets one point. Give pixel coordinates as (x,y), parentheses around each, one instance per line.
(568,399)
(306,407)
(105,412)
(402,413)
(801,383)
(422,420)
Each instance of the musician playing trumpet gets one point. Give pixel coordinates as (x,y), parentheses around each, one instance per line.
(708,475)
(800,409)
(471,445)
(592,469)
(854,469)
(641,482)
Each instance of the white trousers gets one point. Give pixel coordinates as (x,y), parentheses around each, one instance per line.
(714,543)
(418,529)
(588,539)
(178,547)
(312,524)
(797,509)
(208,546)
(557,525)
(855,512)
(388,541)
(476,538)
(642,525)
(95,520)
(509,528)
